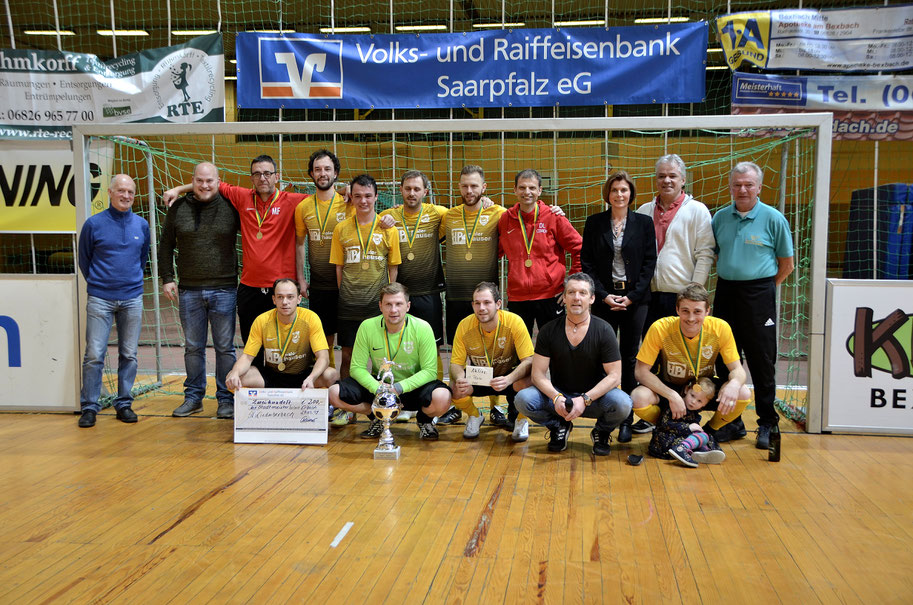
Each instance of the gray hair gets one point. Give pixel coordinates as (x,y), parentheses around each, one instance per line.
(743,167)
(675,160)
(584,277)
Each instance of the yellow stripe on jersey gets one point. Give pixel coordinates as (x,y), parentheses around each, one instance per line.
(306,339)
(421,274)
(664,336)
(513,343)
(359,291)
(307,224)
(463,274)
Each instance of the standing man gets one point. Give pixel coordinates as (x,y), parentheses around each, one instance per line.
(113,250)
(576,372)
(408,343)
(366,256)
(496,339)
(535,241)
(755,255)
(684,243)
(295,353)
(203,227)
(267,236)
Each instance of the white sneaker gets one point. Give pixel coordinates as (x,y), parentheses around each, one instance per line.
(521,430)
(709,457)
(404,416)
(473,423)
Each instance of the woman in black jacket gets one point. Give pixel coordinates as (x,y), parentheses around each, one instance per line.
(619,253)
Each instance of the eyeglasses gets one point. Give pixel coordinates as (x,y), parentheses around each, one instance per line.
(261,175)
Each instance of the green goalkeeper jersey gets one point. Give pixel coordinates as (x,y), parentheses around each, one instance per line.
(413,350)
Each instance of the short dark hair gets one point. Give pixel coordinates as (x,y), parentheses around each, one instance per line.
(263,158)
(323,153)
(283,280)
(394,288)
(529,173)
(620,175)
(365,180)
(693,291)
(581,276)
(415,174)
(473,169)
(491,287)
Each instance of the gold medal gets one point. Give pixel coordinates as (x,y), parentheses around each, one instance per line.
(281,366)
(469,256)
(529,262)
(410,256)
(259,235)
(697,388)
(365,265)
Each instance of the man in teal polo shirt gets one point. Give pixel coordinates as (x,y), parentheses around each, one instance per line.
(754,255)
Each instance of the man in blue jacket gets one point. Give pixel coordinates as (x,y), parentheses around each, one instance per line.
(113,249)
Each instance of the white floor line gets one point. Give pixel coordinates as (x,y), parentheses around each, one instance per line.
(342,534)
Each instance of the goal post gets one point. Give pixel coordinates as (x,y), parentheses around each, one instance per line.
(573,154)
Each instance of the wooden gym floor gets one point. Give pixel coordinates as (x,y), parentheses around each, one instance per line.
(170,511)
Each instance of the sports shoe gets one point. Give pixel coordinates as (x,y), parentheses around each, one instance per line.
(557,441)
(601,440)
(642,426)
(87,419)
(450,416)
(374,429)
(680,453)
(187,408)
(473,423)
(126,414)
(427,432)
(521,430)
(763,441)
(498,418)
(733,430)
(226,410)
(709,457)
(404,416)
(624,433)
(341,418)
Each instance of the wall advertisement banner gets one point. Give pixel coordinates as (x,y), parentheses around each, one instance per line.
(865,107)
(868,385)
(43,93)
(863,39)
(524,67)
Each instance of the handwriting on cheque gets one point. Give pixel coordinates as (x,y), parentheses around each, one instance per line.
(305,410)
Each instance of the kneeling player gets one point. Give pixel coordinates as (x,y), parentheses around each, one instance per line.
(295,353)
(406,341)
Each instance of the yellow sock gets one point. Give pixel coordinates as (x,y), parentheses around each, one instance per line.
(465,404)
(440,368)
(650,413)
(719,420)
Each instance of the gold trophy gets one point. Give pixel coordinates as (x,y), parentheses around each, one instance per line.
(386,406)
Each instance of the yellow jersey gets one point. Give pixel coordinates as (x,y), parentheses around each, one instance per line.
(501,349)
(421,271)
(316,220)
(305,334)
(470,261)
(682,356)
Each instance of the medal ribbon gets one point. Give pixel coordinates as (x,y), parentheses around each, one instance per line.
(363,244)
(387,340)
(528,239)
(262,219)
(402,214)
(288,337)
(695,363)
(469,234)
(326,217)
(494,342)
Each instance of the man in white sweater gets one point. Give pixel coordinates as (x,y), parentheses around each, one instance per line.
(684,243)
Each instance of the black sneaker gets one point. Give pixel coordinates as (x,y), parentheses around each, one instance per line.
(624,433)
(226,410)
(763,441)
(126,414)
(601,440)
(374,429)
(730,432)
(451,416)
(87,419)
(642,426)
(427,432)
(498,419)
(557,441)
(682,455)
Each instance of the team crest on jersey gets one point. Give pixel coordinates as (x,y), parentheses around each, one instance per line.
(483,220)
(707,352)
(425,218)
(340,216)
(408,347)
(377,238)
(296,336)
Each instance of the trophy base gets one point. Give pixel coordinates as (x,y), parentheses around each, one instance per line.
(393,454)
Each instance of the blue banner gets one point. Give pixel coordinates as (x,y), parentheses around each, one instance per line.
(528,67)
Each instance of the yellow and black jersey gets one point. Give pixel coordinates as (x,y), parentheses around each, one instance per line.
(304,337)
(363,273)
(316,220)
(421,271)
(470,262)
(678,359)
(502,349)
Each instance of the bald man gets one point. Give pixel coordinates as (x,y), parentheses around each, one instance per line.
(113,250)
(203,227)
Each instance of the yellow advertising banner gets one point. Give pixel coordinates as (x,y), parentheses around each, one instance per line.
(745,38)
(38,189)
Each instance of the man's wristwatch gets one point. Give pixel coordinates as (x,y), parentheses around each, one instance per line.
(586,400)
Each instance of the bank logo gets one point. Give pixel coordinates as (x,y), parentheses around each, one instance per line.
(300,68)
(885,345)
(184,85)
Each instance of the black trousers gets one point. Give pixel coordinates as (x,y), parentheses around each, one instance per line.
(750,308)
(252,302)
(541,311)
(629,325)
(662,304)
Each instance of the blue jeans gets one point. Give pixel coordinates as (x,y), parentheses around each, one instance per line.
(100,314)
(609,410)
(215,308)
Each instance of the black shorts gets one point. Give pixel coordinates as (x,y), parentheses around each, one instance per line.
(430,308)
(680,389)
(346,330)
(351,391)
(481,391)
(280,380)
(325,304)
(457,311)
